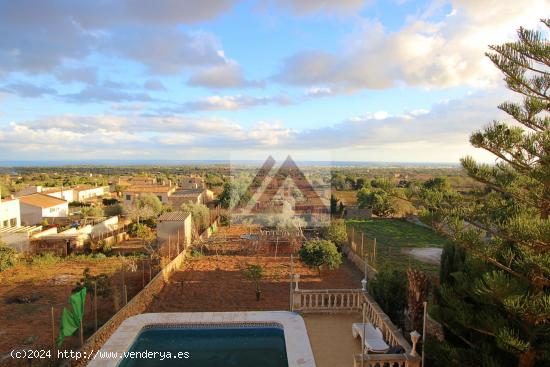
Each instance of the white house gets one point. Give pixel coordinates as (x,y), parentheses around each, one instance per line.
(62,193)
(36,207)
(10,215)
(86,192)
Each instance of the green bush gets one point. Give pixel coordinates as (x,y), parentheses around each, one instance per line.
(318,253)
(336,233)
(389,290)
(8,257)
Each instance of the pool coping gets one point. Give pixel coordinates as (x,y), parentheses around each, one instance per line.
(298,348)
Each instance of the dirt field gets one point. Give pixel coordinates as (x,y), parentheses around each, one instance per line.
(217,282)
(28,325)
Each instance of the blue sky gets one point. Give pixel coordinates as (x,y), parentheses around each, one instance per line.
(354,80)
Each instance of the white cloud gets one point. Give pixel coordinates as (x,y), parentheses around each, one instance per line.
(426,53)
(227,75)
(440,134)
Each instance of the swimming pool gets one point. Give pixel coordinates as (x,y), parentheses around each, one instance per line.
(210,345)
(211,339)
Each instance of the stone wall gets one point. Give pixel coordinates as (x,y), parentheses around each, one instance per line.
(135,306)
(358,262)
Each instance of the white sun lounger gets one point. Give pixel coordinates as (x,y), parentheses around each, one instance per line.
(374,341)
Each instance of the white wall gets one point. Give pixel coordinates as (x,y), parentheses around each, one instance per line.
(58,211)
(106,226)
(31,215)
(9,210)
(92,193)
(67,195)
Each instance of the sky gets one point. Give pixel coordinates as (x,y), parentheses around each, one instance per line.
(346,80)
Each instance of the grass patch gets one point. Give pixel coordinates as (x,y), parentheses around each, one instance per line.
(391,236)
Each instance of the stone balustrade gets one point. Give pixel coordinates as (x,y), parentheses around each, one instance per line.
(327,300)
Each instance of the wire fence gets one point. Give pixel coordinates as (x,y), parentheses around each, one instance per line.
(363,246)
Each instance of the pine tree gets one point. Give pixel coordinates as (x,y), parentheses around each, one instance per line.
(498,305)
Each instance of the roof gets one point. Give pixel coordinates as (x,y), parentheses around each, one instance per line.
(178,216)
(53,190)
(146,189)
(41,200)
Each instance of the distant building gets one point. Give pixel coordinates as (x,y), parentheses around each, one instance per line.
(130,194)
(66,194)
(87,192)
(37,207)
(192,196)
(192,182)
(173,226)
(136,181)
(75,193)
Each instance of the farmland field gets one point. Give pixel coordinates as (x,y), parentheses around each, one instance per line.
(395,237)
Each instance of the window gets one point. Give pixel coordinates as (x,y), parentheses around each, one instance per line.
(13,222)
(160,197)
(5,223)
(128,197)
(53,210)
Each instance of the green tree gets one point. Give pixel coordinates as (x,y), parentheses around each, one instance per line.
(499,306)
(319,253)
(378,201)
(255,273)
(234,193)
(113,209)
(333,204)
(389,289)
(150,201)
(336,232)
(200,214)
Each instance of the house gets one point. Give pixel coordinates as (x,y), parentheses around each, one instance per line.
(190,196)
(61,193)
(10,214)
(175,226)
(87,192)
(37,207)
(18,238)
(192,182)
(130,194)
(70,194)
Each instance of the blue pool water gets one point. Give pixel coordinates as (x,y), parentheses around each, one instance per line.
(262,346)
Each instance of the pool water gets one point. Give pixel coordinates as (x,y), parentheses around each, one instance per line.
(255,346)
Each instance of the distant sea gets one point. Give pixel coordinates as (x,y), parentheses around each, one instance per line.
(68,163)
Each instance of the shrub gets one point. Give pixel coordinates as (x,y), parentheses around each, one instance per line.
(47,258)
(8,257)
(112,210)
(336,233)
(389,290)
(318,253)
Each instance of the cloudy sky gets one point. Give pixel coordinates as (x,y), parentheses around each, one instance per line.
(352,80)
